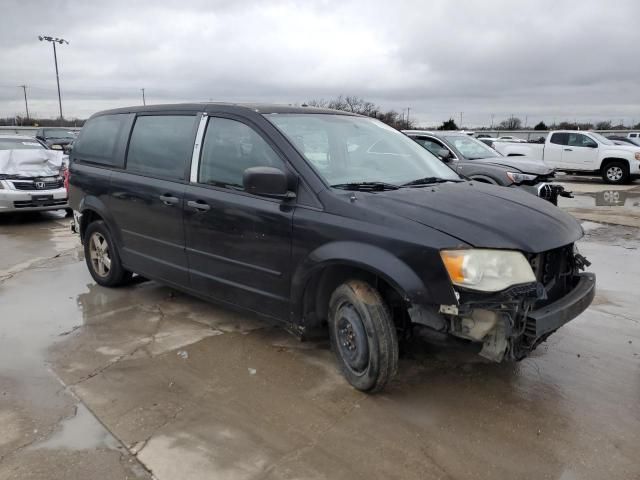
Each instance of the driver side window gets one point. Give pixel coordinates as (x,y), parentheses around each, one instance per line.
(432,145)
(580,140)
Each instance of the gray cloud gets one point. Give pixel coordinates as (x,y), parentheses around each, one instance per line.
(540,59)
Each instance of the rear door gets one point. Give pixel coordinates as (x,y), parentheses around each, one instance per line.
(581,152)
(147,198)
(553,149)
(238,244)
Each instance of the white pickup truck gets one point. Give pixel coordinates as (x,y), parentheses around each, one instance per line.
(581,152)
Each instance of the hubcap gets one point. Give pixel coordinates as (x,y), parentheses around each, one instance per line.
(614,173)
(99,254)
(352,338)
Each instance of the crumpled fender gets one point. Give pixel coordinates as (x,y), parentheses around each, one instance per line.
(368,257)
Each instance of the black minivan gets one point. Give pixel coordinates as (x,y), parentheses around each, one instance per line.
(323,220)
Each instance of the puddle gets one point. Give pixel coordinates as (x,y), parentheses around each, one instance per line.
(607,198)
(80,432)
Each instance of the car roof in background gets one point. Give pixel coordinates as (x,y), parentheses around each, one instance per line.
(448,133)
(15,136)
(228,107)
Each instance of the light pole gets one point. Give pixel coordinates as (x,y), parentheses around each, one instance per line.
(26,105)
(53,41)
(144,102)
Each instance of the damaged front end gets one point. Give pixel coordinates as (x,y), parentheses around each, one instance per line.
(513,322)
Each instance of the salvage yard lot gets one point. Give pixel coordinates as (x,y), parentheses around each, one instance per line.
(141,380)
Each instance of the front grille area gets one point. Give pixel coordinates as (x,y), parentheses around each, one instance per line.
(555,270)
(33,184)
(30,204)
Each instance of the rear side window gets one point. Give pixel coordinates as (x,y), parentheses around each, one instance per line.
(161,145)
(579,140)
(229,148)
(560,138)
(98,139)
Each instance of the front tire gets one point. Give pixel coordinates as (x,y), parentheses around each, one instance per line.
(616,173)
(101,255)
(363,336)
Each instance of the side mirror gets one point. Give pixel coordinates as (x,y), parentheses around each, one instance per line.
(444,154)
(267,182)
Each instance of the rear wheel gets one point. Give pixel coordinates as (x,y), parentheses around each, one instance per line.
(363,336)
(616,173)
(102,257)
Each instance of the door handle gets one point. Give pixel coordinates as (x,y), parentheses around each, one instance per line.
(568,149)
(169,199)
(198,205)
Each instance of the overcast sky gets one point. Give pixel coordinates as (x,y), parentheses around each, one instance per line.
(539,59)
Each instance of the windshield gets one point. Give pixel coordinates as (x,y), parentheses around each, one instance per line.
(602,139)
(19,144)
(59,134)
(345,149)
(470,148)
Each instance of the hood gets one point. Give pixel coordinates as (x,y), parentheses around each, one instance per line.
(622,148)
(30,163)
(522,164)
(481,215)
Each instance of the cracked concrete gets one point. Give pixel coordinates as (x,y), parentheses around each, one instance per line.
(248,401)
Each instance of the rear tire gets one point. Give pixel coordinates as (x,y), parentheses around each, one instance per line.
(363,336)
(101,255)
(616,173)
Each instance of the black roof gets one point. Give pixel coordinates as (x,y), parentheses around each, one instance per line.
(223,107)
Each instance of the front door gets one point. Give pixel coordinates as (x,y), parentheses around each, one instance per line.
(581,152)
(147,198)
(238,245)
(553,149)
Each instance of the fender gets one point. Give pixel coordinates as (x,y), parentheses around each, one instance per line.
(94,204)
(367,257)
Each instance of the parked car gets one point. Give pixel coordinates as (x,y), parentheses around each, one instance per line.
(475,160)
(30,176)
(620,140)
(634,135)
(483,135)
(581,152)
(510,138)
(327,222)
(57,138)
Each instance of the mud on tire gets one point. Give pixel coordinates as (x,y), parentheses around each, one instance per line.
(363,336)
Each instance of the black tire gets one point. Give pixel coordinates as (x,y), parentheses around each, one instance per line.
(97,234)
(616,173)
(363,336)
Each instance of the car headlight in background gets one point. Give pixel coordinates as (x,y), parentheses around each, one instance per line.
(487,270)
(518,178)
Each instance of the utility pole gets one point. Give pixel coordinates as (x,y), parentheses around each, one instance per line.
(53,41)
(408,111)
(144,102)
(26,105)
(461,119)
(526,119)
(492,121)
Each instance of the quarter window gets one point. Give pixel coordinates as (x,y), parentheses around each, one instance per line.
(229,148)
(99,137)
(161,145)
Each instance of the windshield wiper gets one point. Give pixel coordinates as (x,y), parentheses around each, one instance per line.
(429,181)
(367,186)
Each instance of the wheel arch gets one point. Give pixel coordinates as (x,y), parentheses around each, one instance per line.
(93,209)
(332,264)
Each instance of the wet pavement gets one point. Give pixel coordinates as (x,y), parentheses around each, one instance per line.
(143,380)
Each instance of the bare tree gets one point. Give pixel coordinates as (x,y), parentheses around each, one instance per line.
(511,123)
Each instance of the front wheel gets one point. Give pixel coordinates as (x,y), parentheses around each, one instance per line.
(363,336)
(102,257)
(616,173)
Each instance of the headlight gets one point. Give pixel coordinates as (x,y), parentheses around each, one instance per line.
(518,178)
(487,270)
(637,155)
